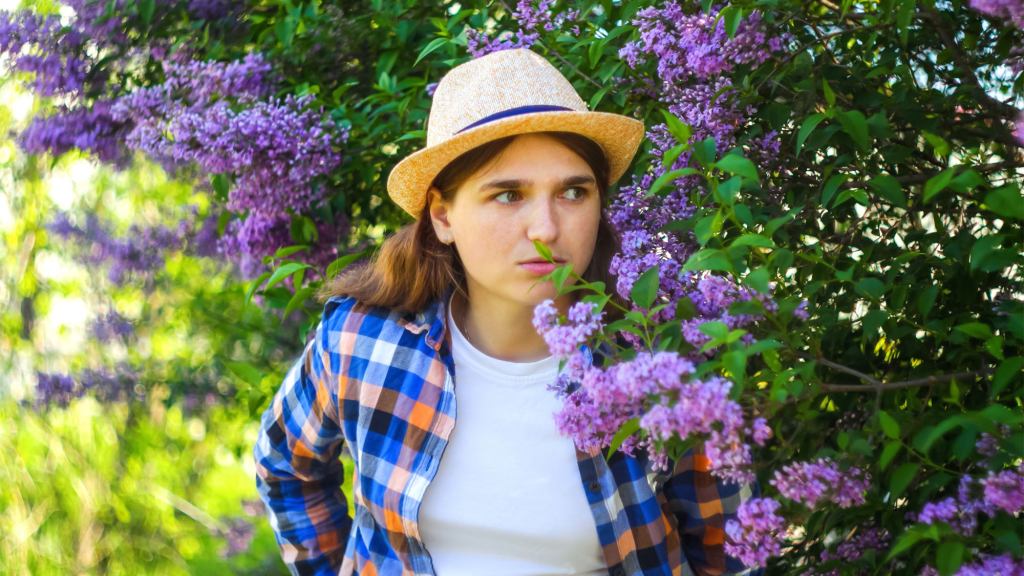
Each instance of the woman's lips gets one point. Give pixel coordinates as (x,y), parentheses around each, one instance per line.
(540,268)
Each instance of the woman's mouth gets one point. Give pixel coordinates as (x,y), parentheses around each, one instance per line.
(540,267)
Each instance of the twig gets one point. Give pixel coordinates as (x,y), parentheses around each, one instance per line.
(965,68)
(878,386)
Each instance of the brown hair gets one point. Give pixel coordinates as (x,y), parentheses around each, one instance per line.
(413,267)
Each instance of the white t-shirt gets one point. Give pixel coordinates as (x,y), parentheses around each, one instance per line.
(507,497)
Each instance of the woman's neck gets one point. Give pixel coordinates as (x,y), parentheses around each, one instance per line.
(499,328)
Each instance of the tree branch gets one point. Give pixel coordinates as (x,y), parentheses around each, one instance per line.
(873,384)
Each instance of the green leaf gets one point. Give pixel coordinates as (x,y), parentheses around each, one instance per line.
(284,271)
(645,289)
(629,427)
(732,20)
(975,330)
(431,47)
(901,479)
(926,300)
(890,426)
(758,280)
(830,96)
(871,287)
(830,187)
(888,453)
(1008,370)
(939,144)
(672,154)
(707,227)
(298,299)
(949,557)
(751,239)
(708,259)
(938,183)
(735,361)
(889,188)
(704,152)
(255,284)
(904,16)
(808,126)
(246,372)
(286,251)
(1006,201)
(670,176)
(543,250)
(736,164)
(146,10)
(341,263)
(856,125)
(681,130)
(715,328)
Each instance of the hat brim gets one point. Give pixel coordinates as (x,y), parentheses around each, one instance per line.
(618,136)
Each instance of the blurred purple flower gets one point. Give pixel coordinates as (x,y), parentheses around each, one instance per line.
(55,389)
(819,481)
(757,533)
(111,325)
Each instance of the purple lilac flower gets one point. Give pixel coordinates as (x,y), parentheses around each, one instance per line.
(945,510)
(1005,490)
(1012,10)
(800,312)
(821,480)
(991,565)
(119,384)
(110,326)
(584,320)
(212,9)
(238,533)
(758,533)
(55,389)
(93,129)
(532,16)
(853,548)
(1018,128)
(248,241)
(139,253)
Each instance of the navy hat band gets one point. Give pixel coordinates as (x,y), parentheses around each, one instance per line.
(516,112)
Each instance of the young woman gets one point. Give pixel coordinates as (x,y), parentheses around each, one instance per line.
(437,329)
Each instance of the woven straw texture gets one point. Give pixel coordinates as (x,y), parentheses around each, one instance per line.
(492,84)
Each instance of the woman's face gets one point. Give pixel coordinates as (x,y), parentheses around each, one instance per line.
(536,189)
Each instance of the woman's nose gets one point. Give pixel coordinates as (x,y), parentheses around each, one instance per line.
(543,221)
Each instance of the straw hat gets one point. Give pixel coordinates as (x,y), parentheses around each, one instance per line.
(504,93)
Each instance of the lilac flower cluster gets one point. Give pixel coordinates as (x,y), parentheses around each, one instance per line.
(238,534)
(758,532)
(275,149)
(53,389)
(564,339)
(694,57)
(1012,10)
(140,253)
(854,547)
(654,387)
(998,491)
(247,241)
(532,17)
(111,325)
(992,565)
(91,128)
(819,481)
(41,46)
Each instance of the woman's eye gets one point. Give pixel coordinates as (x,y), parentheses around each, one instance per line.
(575,192)
(511,192)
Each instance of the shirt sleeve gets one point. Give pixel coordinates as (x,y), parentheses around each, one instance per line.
(298,471)
(702,504)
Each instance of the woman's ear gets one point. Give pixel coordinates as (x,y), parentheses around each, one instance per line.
(439,216)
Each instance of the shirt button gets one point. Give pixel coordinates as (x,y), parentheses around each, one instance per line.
(595,486)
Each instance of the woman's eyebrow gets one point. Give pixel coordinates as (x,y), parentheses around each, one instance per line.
(518,183)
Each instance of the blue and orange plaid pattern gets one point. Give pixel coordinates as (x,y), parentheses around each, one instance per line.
(382,382)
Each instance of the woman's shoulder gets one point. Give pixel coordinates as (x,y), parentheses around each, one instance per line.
(346,319)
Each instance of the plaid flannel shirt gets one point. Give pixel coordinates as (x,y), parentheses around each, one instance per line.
(383,382)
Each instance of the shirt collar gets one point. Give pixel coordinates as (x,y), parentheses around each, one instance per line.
(433,319)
